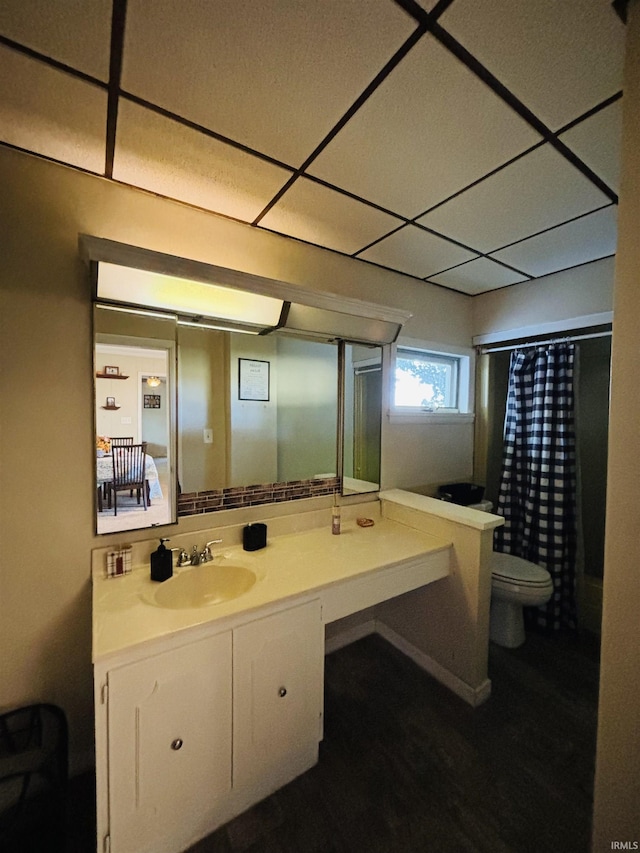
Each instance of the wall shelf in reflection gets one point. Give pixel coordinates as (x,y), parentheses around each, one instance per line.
(111,408)
(110,376)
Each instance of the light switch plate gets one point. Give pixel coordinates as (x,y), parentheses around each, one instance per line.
(207,435)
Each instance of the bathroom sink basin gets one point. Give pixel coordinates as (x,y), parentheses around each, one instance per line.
(204,585)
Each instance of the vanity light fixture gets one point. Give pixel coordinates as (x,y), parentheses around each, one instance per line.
(217,297)
(185,296)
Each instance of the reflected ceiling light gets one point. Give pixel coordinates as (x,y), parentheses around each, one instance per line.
(153,381)
(141,312)
(211,301)
(218,328)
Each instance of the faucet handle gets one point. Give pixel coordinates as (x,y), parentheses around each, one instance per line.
(183,558)
(206,556)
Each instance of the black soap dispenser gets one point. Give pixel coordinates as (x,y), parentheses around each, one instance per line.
(161,563)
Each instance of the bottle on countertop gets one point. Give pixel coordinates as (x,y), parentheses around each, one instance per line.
(161,563)
(335,518)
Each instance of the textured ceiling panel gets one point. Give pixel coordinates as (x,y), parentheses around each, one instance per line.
(328,218)
(560,57)
(275,76)
(578,242)
(429,130)
(51,113)
(161,155)
(221,102)
(75,32)
(416,252)
(597,141)
(536,192)
(478,276)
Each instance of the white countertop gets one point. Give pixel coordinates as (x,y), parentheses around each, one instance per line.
(466,515)
(291,565)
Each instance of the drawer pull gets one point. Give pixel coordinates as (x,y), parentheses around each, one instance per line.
(177,743)
(282,692)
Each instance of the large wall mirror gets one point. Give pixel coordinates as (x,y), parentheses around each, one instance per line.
(231,415)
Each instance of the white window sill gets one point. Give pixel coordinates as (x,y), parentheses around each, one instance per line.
(431,418)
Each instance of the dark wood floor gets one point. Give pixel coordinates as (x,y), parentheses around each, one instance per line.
(407,767)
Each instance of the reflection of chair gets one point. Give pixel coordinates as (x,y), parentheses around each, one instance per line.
(33,777)
(129,473)
(118,442)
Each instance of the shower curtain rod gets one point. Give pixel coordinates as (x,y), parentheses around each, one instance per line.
(564,339)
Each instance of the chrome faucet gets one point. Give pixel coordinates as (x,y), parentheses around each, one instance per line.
(183,558)
(196,557)
(205,555)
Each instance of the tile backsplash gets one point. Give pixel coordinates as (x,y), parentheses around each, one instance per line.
(214,500)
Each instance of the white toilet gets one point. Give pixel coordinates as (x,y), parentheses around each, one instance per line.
(515,583)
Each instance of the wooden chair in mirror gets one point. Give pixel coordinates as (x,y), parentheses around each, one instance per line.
(129,472)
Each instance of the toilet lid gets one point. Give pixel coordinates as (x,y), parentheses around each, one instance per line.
(515,569)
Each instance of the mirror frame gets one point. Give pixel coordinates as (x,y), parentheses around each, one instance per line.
(330,316)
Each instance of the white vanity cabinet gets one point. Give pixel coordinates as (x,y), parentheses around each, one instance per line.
(277,688)
(197,733)
(169,744)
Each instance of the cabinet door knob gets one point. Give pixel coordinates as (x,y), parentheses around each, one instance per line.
(177,743)
(282,692)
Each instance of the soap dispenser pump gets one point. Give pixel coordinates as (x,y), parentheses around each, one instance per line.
(161,563)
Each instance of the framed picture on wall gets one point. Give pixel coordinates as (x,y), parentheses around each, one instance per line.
(152,401)
(253,379)
(111,370)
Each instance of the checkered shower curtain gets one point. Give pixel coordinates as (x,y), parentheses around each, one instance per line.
(538,483)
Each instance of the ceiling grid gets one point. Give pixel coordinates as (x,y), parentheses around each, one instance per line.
(472,144)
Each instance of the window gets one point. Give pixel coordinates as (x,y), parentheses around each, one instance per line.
(427,381)
(431,383)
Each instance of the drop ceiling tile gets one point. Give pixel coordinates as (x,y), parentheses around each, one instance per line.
(430,129)
(163,156)
(598,142)
(478,276)
(586,239)
(75,32)
(538,191)
(416,252)
(327,218)
(274,76)
(559,57)
(51,113)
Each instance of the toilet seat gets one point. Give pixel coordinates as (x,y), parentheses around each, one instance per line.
(509,569)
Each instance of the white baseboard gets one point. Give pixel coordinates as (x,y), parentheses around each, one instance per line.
(350,635)
(474,696)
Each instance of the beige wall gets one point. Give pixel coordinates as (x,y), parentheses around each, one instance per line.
(46,388)
(558,298)
(617,783)
(203,403)
(447,621)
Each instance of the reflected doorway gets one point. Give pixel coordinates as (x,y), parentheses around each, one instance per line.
(367,394)
(132,404)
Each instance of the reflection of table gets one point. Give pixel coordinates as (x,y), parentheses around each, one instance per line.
(104,472)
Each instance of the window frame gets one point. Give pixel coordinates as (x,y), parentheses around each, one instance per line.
(465,360)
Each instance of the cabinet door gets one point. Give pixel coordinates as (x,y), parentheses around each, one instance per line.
(278,675)
(169,722)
